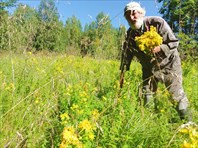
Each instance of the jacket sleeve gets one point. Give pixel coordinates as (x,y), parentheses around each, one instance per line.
(127,54)
(170,42)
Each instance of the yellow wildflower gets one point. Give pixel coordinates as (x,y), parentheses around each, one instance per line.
(83,94)
(36,101)
(91,136)
(193,137)
(184,131)
(95,114)
(80,112)
(29,53)
(69,137)
(64,116)
(74,106)
(186,145)
(162,110)
(63,145)
(86,125)
(84,99)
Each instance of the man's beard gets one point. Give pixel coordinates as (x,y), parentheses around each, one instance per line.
(137,24)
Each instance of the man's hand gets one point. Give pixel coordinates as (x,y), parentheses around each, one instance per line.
(156,49)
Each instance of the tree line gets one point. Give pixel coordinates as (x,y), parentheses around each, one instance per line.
(29,29)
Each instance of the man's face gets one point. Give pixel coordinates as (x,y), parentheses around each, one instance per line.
(134,18)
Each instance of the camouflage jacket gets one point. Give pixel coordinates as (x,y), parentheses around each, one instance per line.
(167,59)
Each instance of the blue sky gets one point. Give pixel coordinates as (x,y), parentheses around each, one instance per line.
(87,10)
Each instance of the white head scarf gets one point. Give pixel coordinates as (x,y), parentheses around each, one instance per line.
(135,6)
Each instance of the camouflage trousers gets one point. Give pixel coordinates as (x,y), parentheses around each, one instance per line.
(173,83)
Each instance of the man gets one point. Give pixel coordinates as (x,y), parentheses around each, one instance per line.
(165,67)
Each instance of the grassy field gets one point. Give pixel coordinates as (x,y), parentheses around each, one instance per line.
(50,100)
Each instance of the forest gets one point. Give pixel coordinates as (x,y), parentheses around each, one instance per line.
(29,29)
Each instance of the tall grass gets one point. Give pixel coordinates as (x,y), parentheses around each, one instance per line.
(44,97)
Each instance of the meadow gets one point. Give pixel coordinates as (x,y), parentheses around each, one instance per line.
(57,100)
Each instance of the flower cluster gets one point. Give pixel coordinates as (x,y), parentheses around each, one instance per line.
(95,115)
(74,136)
(88,127)
(84,131)
(192,132)
(69,137)
(149,40)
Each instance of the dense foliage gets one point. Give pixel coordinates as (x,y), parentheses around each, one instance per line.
(182,16)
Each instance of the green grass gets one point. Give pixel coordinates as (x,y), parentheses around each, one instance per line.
(37,89)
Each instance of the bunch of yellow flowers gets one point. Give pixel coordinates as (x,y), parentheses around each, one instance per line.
(149,40)
(192,132)
(69,137)
(78,136)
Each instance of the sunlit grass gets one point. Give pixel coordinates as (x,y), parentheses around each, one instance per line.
(44,98)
